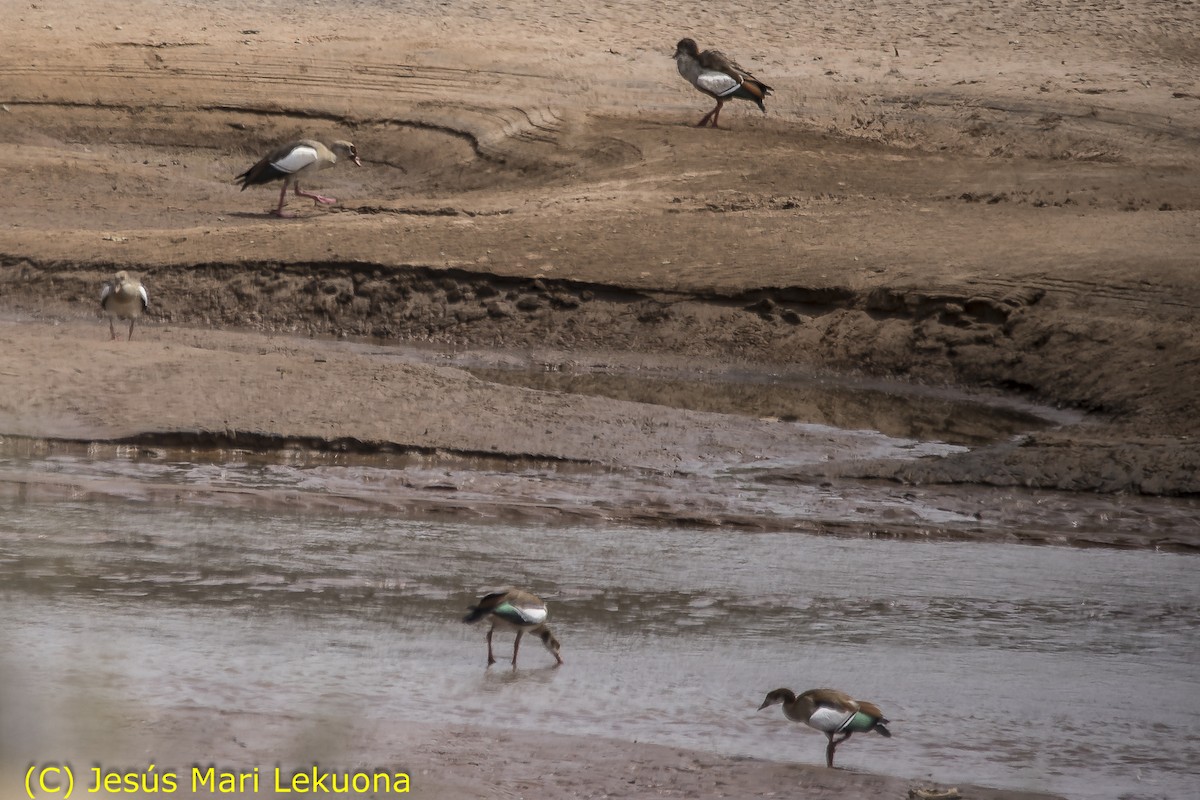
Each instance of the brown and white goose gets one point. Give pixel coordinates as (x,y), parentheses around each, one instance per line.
(293,160)
(125,298)
(714,74)
(831,712)
(514,609)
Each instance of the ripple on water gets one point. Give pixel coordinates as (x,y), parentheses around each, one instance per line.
(1001,664)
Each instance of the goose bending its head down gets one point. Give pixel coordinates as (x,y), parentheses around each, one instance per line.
(293,160)
(125,298)
(831,712)
(517,610)
(713,73)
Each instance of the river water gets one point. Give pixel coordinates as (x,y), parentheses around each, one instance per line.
(1051,668)
(141,582)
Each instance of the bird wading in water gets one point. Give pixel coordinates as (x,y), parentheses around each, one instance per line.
(514,609)
(832,712)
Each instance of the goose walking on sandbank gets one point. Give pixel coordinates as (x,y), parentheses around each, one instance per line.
(713,73)
(295,160)
(123,298)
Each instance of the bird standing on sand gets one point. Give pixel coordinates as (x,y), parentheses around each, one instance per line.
(831,712)
(289,162)
(123,297)
(714,74)
(517,610)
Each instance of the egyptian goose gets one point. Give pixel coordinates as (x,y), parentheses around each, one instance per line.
(123,297)
(517,610)
(289,162)
(830,712)
(714,74)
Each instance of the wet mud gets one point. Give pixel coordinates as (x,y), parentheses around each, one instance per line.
(719,448)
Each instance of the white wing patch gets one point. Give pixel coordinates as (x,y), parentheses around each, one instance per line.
(533,616)
(145,296)
(828,719)
(296,160)
(718,83)
(104,293)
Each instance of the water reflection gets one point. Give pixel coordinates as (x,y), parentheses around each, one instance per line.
(760,495)
(907,412)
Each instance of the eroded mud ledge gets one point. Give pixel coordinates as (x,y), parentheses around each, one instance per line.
(1029,341)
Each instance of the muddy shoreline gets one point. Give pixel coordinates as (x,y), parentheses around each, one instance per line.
(557,436)
(1138,436)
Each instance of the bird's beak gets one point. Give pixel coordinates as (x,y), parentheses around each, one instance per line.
(357,163)
(764,705)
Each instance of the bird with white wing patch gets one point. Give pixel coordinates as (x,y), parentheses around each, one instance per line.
(514,609)
(713,73)
(293,160)
(831,712)
(123,298)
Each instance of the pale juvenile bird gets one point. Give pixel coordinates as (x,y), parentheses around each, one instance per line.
(831,712)
(714,74)
(517,610)
(125,298)
(291,161)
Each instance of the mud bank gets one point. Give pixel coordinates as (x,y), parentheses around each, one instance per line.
(1130,372)
(931,212)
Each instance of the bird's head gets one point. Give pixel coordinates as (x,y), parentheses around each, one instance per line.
(776,697)
(344,149)
(551,644)
(686,47)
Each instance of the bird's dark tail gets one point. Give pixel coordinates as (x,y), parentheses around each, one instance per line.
(475,615)
(245,178)
(486,605)
(262,172)
(755,90)
(881,729)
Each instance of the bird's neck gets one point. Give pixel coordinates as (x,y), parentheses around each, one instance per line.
(688,66)
(795,708)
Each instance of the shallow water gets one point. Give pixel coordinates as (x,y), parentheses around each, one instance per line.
(140,582)
(755,495)
(1048,668)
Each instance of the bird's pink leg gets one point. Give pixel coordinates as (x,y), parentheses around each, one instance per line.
(320,198)
(712,115)
(491,658)
(130,337)
(279,212)
(112,330)
(516,646)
